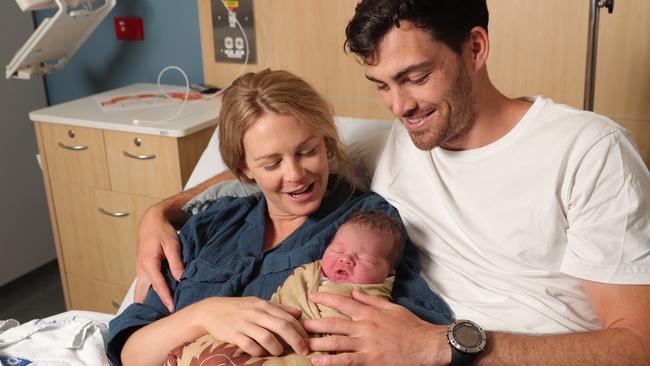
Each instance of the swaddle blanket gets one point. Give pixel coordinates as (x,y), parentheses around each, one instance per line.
(66,339)
(294,292)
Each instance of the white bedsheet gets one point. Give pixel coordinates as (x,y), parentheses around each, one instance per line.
(71,338)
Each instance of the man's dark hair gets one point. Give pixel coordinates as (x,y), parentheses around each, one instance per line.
(447,21)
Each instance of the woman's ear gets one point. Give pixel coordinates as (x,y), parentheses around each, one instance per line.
(329,147)
(246,172)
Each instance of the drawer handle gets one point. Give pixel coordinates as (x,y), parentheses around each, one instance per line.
(115,304)
(141,157)
(75,147)
(113,214)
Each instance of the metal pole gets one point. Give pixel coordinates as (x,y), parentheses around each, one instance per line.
(592,49)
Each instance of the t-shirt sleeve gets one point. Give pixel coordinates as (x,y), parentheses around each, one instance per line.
(609,215)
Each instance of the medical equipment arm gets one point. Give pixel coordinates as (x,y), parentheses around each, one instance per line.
(57,38)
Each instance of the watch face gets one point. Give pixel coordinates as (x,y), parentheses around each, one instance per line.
(466,336)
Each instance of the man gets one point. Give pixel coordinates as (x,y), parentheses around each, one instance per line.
(532,218)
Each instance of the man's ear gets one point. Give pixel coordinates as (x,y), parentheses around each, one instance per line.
(478,47)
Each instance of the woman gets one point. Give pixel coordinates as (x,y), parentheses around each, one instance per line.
(276,131)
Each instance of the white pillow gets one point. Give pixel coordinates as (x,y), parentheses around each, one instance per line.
(351,130)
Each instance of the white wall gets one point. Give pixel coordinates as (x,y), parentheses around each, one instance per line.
(25,231)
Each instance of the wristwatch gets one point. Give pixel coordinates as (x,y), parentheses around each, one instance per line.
(467,340)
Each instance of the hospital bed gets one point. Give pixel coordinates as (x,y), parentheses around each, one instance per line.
(89,329)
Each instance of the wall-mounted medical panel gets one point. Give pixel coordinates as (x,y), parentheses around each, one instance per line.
(233,22)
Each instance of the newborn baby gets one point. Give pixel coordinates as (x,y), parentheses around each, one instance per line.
(363,254)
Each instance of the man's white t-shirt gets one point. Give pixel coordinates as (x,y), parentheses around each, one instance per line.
(507,231)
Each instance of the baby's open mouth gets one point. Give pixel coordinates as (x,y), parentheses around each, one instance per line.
(341,272)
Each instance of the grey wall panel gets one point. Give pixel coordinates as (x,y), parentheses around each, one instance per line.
(25,232)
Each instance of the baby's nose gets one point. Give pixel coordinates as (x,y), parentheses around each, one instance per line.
(345,259)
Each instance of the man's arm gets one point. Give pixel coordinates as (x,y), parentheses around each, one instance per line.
(624,340)
(385,333)
(157,241)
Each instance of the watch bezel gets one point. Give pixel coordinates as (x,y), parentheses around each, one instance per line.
(454,343)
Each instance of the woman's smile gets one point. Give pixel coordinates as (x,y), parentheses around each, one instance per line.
(302,194)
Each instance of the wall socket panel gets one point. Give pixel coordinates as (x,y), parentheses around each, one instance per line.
(229,44)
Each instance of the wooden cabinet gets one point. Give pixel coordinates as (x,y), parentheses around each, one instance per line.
(146,165)
(78,154)
(86,293)
(99,183)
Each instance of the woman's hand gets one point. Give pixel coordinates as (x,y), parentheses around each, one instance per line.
(157,241)
(254,325)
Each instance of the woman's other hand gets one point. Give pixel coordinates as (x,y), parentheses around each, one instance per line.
(256,326)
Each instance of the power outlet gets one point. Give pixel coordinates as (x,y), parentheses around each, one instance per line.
(229,43)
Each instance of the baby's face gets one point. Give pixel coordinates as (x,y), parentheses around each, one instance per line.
(358,255)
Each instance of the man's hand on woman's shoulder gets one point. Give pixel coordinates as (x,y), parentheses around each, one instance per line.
(157,241)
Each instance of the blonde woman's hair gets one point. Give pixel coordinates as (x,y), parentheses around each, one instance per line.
(283,93)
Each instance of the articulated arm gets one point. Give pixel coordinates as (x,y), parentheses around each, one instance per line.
(57,38)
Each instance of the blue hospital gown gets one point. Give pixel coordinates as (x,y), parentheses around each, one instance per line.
(222,249)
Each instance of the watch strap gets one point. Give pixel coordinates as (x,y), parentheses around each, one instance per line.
(459,358)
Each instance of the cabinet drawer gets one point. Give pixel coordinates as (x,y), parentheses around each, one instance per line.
(98,231)
(89,294)
(143,164)
(75,155)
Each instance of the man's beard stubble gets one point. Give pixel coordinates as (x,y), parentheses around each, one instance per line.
(460,120)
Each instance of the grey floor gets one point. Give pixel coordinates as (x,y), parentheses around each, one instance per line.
(38,294)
